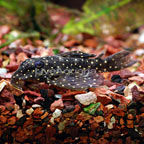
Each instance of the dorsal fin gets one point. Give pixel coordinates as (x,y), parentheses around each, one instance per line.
(77,54)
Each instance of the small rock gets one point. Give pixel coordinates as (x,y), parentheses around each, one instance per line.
(109,106)
(21,121)
(46,92)
(2,119)
(39,100)
(139,52)
(32,93)
(16,107)
(19,114)
(130,116)
(2,84)
(116,78)
(102,94)
(91,43)
(61,125)
(29,111)
(113,120)
(9,106)
(56,113)
(87,98)
(44,115)
(99,119)
(38,112)
(91,109)
(120,89)
(12,67)
(128,91)
(69,108)
(141,38)
(57,104)
(3,70)
(135,94)
(2,108)
(36,105)
(58,96)
(12,120)
(77,108)
(110,125)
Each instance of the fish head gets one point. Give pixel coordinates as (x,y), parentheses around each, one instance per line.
(31,70)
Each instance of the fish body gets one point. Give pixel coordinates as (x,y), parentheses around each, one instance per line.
(71,70)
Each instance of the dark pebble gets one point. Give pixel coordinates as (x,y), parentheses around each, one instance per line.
(131,105)
(133,134)
(115,101)
(21,121)
(68,109)
(141,122)
(116,78)
(19,100)
(120,90)
(47,100)
(44,93)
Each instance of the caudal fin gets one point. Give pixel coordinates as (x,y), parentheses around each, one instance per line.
(117,61)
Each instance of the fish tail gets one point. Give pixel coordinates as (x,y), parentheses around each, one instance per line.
(117,61)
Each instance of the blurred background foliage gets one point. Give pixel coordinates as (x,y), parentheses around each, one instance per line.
(95,17)
(108,17)
(26,15)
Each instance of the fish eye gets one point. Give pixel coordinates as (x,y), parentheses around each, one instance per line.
(39,64)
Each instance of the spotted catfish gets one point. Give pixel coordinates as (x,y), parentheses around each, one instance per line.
(72,70)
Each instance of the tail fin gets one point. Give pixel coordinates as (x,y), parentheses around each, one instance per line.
(117,61)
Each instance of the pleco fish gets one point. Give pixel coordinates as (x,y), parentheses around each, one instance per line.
(72,70)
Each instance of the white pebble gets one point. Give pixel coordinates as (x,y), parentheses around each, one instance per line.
(139,52)
(109,106)
(113,120)
(3,70)
(141,38)
(56,113)
(29,111)
(19,114)
(87,98)
(2,85)
(36,106)
(128,92)
(110,126)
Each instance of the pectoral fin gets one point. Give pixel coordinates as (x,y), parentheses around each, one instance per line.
(78,81)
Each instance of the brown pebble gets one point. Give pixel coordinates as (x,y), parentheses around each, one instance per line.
(130,116)
(9,106)
(2,108)
(38,112)
(129,122)
(12,120)
(57,104)
(44,115)
(2,119)
(99,119)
